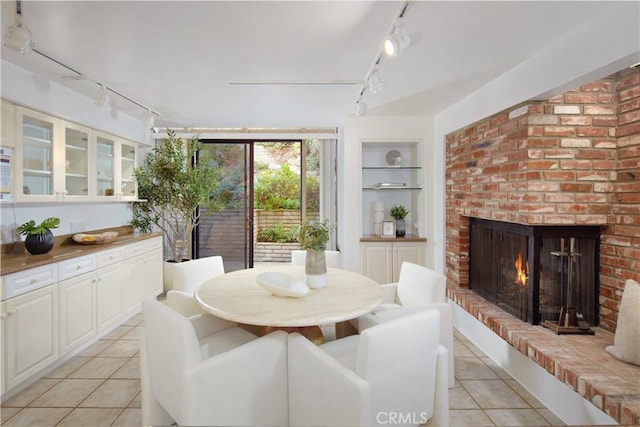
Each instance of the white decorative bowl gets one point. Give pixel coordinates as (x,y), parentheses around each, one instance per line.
(282,285)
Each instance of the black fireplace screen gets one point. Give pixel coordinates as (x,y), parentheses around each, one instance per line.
(536,272)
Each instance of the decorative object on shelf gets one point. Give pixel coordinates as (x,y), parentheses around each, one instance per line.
(177,190)
(39,238)
(313,236)
(382,185)
(399,212)
(282,285)
(378,217)
(388,229)
(95,239)
(394,158)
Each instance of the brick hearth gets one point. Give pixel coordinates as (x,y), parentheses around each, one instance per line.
(578,361)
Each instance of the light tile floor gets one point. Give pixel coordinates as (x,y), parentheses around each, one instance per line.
(101,387)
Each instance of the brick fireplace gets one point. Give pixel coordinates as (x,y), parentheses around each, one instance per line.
(571,160)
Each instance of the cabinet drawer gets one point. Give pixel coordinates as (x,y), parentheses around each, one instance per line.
(29,280)
(109,257)
(142,247)
(76,266)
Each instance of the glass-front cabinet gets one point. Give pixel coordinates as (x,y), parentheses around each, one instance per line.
(36,153)
(62,161)
(105,165)
(76,168)
(127,166)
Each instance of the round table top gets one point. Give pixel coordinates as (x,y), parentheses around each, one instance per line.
(238,297)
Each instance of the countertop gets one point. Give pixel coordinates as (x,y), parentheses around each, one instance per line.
(15,258)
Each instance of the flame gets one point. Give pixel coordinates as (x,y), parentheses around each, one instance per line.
(521,273)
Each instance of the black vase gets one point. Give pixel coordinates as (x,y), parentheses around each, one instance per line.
(39,243)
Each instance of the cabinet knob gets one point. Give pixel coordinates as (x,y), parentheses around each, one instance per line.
(7,314)
(33,281)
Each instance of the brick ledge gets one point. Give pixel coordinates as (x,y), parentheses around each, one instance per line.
(578,361)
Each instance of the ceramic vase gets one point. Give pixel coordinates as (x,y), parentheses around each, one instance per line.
(401,227)
(315,269)
(37,244)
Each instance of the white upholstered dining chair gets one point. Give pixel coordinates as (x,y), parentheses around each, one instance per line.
(204,370)
(187,277)
(417,287)
(334,260)
(396,367)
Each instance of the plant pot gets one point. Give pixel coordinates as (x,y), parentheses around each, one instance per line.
(167,274)
(401,227)
(37,244)
(315,269)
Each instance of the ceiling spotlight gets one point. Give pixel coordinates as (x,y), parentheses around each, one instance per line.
(361,108)
(18,37)
(375,82)
(103,98)
(397,41)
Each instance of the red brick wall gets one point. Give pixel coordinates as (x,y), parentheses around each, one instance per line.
(620,246)
(573,159)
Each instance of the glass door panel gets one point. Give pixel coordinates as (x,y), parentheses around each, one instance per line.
(105,166)
(127,166)
(228,233)
(76,166)
(37,157)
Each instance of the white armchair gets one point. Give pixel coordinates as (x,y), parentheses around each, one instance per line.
(418,287)
(187,276)
(334,260)
(394,369)
(206,371)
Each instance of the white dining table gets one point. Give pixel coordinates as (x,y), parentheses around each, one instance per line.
(237,297)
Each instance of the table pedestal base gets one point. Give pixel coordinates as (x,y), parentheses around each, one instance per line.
(345,329)
(313,333)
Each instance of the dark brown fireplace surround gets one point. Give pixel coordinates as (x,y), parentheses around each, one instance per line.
(537,272)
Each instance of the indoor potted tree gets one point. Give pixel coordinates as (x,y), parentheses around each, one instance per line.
(176,183)
(313,236)
(39,238)
(399,212)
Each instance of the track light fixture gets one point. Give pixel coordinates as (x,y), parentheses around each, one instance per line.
(375,82)
(18,37)
(361,107)
(103,98)
(397,41)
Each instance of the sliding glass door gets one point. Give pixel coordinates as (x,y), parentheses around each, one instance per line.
(267,188)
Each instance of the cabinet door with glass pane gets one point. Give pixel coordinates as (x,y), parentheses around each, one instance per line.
(36,178)
(128,190)
(76,166)
(105,164)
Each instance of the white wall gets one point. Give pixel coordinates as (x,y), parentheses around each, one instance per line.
(600,47)
(25,88)
(33,91)
(84,216)
(357,129)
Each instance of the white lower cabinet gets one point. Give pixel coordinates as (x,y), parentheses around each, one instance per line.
(110,296)
(381,261)
(77,311)
(72,302)
(143,272)
(31,333)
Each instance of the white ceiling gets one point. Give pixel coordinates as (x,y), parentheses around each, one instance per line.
(184,59)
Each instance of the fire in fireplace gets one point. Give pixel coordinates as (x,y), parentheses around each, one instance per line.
(542,274)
